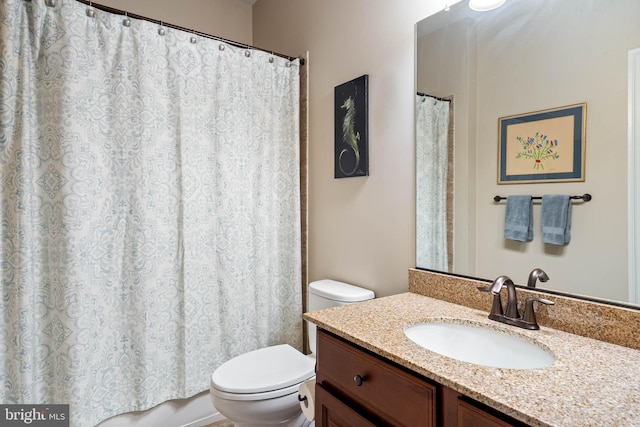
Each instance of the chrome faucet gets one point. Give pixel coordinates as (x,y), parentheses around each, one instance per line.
(511,316)
(535,275)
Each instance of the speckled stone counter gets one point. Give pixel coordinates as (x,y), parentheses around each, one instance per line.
(592,383)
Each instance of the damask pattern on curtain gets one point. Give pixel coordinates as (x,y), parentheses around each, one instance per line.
(432,136)
(150,208)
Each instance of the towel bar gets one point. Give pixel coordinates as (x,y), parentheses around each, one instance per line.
(585,197)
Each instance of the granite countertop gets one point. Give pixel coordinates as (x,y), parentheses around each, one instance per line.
(591,383)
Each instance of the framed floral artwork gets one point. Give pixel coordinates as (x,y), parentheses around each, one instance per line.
(542,146)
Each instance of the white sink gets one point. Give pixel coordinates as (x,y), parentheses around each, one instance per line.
(478,344)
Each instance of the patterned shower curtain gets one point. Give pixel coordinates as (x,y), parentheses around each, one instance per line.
(150,208)
(432,127)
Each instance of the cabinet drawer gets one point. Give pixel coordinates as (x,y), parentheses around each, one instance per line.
(389,394)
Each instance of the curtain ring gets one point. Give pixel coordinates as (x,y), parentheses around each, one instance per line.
(90,12)
(221,47)
(161,30)
(126,21)
(50,3)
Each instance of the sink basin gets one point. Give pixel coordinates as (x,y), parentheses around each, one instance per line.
(478,344)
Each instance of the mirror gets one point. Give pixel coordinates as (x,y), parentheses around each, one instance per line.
(524,57)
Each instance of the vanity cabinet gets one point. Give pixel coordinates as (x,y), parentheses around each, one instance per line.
(352,384)
(356,388)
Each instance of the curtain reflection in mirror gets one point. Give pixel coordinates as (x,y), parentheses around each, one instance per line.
(434,183)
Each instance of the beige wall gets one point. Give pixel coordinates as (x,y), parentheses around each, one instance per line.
(229,19)
(361,230)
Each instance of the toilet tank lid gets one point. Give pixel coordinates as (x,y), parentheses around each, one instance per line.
(340,291)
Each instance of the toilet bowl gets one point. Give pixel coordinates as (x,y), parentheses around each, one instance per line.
(260,388)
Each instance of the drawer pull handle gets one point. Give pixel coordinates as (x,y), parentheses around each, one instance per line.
(359,379)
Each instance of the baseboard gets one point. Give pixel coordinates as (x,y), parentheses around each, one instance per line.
(205,421)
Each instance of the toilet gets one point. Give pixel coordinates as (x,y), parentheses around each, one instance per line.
(260,388)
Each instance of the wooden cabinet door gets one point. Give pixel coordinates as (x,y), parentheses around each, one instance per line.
(382,391)
(332,412)
(460,411)
(471,416)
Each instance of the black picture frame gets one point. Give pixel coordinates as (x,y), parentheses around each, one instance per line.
(551,135)
(351,128)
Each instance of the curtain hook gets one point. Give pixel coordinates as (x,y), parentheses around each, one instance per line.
(271,58)
(221,46)
(193,38)
(126,21)
(161,30)
(90,12)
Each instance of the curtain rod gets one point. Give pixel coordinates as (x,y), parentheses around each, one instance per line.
(435,97)
(176,27)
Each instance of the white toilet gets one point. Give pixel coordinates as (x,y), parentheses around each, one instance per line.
(260,388)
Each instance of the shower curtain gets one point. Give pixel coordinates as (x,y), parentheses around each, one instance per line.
(150,208)
(432,127)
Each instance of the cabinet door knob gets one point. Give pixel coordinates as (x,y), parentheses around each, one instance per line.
(359,379)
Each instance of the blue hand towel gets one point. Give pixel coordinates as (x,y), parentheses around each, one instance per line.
(518,220)
(556,219)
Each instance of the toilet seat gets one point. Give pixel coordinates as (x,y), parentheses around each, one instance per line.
(265,373)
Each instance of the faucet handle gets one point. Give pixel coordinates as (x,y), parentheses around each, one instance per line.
(529,315)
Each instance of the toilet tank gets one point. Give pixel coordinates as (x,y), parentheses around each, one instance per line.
(331,293)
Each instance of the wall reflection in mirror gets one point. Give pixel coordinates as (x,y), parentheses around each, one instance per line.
(525,56)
